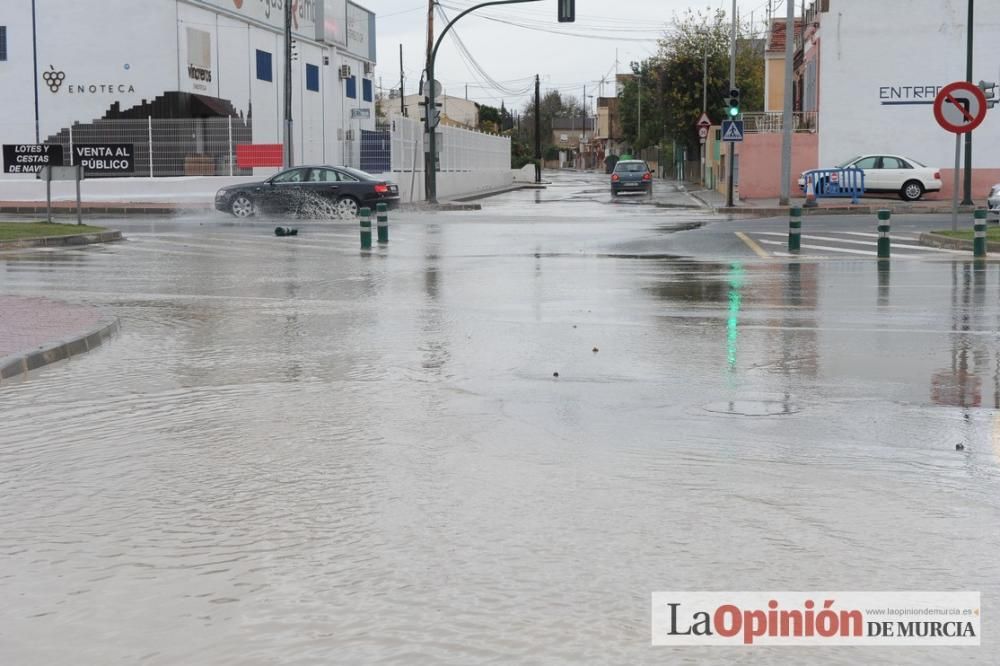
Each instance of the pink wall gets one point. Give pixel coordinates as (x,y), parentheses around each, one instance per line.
(760,163)
(982,181)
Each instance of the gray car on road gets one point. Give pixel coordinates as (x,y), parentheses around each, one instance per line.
(631,176)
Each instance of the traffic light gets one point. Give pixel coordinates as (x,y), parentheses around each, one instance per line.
(989,89)
(734,102)
(435,114)
(567,11)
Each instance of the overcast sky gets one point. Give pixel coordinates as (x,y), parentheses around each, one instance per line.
(511,55)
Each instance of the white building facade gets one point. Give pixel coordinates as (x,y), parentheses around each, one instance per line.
(71,65)
(880,66)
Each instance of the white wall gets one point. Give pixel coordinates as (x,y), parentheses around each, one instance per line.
(868,47)
(107,51)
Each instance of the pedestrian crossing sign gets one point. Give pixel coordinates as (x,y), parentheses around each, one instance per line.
(732,130)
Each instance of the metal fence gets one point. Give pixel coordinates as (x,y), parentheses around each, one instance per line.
(207,147)
(767,122)
(160,147)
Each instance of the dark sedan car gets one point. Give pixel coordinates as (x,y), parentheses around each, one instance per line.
(308,190)
(631,176)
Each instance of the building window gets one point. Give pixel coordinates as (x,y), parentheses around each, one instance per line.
(312,78)
(263,65)
(366,89)
(352,87)
(3,42)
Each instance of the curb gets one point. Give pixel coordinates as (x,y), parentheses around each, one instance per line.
(19,365)
(947,243)
(504,190)
(103,209)
(441,207)
(62,241)
(782,211)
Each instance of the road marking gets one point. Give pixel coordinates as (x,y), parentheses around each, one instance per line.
(752,244)
(872,234)
(896,243)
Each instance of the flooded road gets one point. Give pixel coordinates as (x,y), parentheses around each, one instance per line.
(295,452)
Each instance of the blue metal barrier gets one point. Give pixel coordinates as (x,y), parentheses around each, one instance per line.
(843,183)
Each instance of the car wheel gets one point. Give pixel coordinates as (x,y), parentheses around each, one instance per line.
(912,190)
(347,206)
(242,206)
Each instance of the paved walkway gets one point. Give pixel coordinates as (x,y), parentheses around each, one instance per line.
(29,323)
(38,331)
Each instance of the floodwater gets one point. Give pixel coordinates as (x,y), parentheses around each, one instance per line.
(295,452)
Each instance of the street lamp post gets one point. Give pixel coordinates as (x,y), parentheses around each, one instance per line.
(432,94)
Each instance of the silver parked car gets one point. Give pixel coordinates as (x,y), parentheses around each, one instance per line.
(993,201)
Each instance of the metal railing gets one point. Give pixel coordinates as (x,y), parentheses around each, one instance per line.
(769,123)
(166,147)
(207,147)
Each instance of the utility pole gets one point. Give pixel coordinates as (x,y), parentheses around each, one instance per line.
(583,112)
(402,80)
(786,117)
(638,131)
(967,183)
(704,109)
(538,129)
(289,155)
(732,86)
(430,164)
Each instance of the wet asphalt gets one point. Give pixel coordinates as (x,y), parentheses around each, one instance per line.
(299,452)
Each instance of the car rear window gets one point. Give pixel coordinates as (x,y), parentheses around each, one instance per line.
(631,167)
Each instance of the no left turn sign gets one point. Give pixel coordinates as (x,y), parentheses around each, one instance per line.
(960,107)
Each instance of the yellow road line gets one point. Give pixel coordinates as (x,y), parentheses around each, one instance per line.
(752,244)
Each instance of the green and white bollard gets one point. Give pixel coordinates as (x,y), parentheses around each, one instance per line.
(979,242)
(794,229)
(366,228)
(382,221)
(883,234)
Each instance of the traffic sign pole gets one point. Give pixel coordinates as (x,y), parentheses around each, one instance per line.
(960,107)
(954,194)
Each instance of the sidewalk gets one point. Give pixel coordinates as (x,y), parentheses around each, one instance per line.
(770,207)
(38,331)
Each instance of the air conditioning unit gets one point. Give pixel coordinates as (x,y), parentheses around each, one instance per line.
(369,68)
(345,71)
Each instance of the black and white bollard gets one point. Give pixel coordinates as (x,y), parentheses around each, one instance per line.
(366,228)
(794,229)
(382,221)
(979,241)
(883,234)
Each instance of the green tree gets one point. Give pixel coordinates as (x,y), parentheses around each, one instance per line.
(489,118)
(671,82)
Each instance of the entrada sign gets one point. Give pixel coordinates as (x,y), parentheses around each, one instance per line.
(30,157)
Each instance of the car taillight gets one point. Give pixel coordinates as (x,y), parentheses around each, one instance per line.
(381,188)
(615,178)
(647,176)
(937,175)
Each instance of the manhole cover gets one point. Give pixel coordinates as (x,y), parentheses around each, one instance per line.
(754,407)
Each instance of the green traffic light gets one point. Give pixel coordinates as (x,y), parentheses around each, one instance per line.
(734,111)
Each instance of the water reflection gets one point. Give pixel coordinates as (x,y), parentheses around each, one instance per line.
(961,384)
